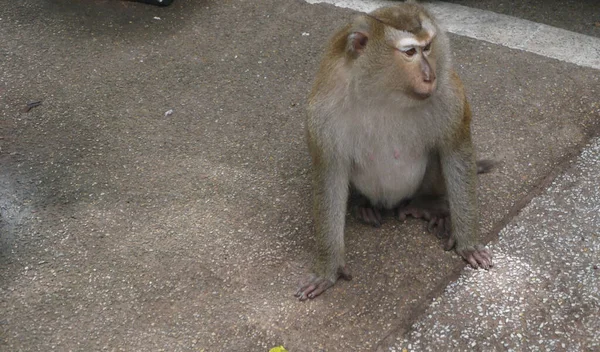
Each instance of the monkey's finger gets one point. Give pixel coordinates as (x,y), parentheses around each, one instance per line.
(488,257)
(304,292)
(378,216)
(442,228)
(401,215)
(482,249)
(450,244)
(481,260)
(364,215)
(321,287)
(485,252)
(430,225)
(416,213)
(373,217)
(433,226)
(344,273)
(368,217)
(301,290)
(305,283)
(426,215)
(472,261)
(447,226)
(404,213)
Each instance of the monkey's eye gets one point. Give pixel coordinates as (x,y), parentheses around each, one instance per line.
(410,52)
(427,47)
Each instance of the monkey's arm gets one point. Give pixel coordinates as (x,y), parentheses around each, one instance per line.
(460,174)
(330,194)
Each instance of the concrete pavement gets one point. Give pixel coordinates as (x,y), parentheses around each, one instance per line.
(544,293)
(125,228)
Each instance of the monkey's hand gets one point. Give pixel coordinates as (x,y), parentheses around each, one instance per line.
(315,285)
(478,256)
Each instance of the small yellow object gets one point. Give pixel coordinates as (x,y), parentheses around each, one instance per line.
(278,349)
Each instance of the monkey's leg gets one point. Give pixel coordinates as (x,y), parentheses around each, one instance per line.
(330,187)
(460,173)
(362,209)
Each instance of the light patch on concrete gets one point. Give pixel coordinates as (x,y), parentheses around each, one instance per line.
(542,293)
(500,29)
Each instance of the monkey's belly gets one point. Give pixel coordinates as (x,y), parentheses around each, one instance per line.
(387,181)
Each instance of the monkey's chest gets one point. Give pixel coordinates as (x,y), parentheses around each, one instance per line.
(388,174)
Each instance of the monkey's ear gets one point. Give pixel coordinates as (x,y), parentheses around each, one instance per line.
(357,42)
(358,37)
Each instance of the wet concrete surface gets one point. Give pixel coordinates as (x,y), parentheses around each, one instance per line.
(125,228)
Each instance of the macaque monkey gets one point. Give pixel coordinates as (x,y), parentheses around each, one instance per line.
(389,126)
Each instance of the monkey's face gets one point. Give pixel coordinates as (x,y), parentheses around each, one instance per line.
(414,58)
(397,46)
(417,69)
(398,49)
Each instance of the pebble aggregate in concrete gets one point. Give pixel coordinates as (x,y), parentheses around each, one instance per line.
(123,229)
(544,291)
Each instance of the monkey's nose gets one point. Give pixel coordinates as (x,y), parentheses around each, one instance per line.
(428,76)
(427,73)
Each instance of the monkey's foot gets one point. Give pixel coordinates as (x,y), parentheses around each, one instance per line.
(438,220)
(315,285)
(368,215)
(477,256)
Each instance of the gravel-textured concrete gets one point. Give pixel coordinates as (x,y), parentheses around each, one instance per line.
(496,28)
(581,16)
(126,228)
(544,293)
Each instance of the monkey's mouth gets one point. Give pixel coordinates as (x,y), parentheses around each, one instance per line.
(424,91)
(422,95)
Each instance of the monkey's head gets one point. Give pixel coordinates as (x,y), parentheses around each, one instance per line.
(401,46)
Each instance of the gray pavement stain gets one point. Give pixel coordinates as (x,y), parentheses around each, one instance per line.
(123,228)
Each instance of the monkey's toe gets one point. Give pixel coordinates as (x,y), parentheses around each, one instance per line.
(438,222)
(368,215)
(477,257)
(450,244)
(404,212)
(344,273)
(440,226)
(313,287)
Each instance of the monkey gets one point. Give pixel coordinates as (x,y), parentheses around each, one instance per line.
(388,122)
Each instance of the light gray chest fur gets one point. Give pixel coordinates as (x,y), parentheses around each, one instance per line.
(389,157)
